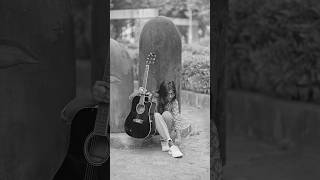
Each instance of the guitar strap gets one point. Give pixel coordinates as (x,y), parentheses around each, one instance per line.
(154,106)
(153,130)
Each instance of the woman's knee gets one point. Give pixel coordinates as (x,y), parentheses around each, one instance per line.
(157,115)
(168,119)
(167,115)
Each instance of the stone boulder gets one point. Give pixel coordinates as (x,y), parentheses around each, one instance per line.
(121,78)
(161,36)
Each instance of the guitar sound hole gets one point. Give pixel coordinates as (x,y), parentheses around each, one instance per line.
(140,108)
(97,149)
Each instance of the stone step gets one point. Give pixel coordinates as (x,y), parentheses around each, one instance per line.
(124,141)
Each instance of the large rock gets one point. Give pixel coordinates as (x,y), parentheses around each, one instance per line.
(161,36)
(37,78)
(121,77)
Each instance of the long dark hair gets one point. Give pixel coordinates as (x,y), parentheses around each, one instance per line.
(164,88)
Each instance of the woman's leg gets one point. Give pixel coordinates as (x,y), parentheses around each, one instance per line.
(161,126)
(168,119)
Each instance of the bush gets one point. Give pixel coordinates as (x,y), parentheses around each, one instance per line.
(195,75)
(274,48)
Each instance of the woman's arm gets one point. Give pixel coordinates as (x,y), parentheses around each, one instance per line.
(100,91)
(177,121)
(132,95)
(175,110)
(140,91)
(154,98)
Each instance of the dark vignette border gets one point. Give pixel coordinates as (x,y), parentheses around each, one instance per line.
(218,24)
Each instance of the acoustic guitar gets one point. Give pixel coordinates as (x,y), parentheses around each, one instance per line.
(140,121)
(96,146)
(88,153)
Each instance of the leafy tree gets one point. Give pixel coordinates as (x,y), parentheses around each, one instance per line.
(274,48)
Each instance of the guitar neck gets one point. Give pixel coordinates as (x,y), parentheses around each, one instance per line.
(145,77)
(102,117)
(144,84)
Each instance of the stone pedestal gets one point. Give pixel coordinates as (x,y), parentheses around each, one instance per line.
(161,36)
(121,78)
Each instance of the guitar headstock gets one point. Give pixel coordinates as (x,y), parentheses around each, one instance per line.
(151,58)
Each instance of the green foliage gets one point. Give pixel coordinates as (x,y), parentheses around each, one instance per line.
(274,48)
(179,9)
(195,75)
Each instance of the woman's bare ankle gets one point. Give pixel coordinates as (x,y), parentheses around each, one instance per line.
(170,143)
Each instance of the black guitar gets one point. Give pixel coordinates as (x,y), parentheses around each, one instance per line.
(140,121)
(96,146)
(75,165)
(88,153)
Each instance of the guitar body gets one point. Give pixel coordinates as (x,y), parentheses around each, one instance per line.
(142,124)
(74,165)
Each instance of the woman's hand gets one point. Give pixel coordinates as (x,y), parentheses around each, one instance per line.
(142,90)
(100,91)
(138,92)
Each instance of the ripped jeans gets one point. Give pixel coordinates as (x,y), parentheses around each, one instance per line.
(164,124)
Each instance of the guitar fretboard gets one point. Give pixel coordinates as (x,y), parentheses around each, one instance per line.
(102,119)
(103,116)
(144,85)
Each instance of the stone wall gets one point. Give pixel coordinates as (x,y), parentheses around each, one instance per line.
(273,120)
(284,123)
(195,99)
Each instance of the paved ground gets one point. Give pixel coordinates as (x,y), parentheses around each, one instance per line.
(147,161)
(252,160)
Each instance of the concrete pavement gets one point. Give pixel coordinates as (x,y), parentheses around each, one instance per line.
(147,161)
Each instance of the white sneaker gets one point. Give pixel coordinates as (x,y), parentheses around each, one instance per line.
(175,151)
(165,145)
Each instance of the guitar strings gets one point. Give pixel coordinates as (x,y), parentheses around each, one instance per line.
(90,168)
(89,173)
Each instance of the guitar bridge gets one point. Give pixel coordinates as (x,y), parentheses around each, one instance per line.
(139,121)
